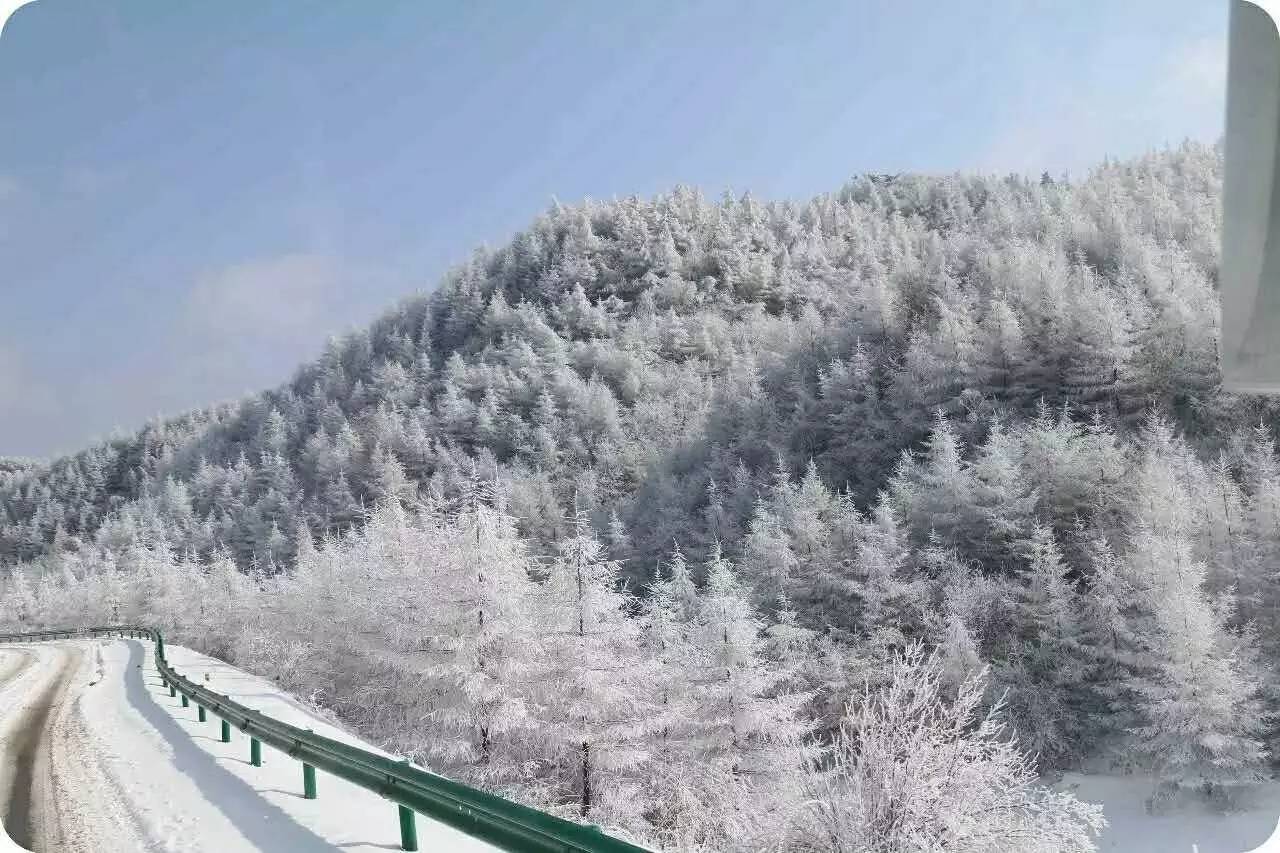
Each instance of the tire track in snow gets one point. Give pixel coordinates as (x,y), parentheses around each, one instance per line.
(31,814)
(20,668)
(83,774)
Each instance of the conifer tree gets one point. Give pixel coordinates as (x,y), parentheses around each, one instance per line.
(596,711)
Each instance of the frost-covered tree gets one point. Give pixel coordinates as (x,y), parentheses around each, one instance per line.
(747,728)
(483,657)
(935,494)
(1195,682)
(1041,666)
(595,706)
(888,599)
(741,723)
(767,555)
(913,770)
(1201,716)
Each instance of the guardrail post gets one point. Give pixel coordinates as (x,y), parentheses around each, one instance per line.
(226,732)
(255,752)
(308,782)
(200,713)
(408,830)
(185,701)
(173,691)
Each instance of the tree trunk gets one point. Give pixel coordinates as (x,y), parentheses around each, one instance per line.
(586,778)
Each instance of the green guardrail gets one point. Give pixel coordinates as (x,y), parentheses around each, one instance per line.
(488,817)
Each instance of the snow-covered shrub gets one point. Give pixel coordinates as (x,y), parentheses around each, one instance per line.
(911,772)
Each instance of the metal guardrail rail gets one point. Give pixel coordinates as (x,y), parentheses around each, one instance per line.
(488,817)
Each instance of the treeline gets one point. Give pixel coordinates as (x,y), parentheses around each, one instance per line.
(685,720)
(1114,596)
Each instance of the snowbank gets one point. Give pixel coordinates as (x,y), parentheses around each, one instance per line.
(1192,827)
(269,810)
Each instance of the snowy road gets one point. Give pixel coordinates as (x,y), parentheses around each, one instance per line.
(33,698)
(95,755)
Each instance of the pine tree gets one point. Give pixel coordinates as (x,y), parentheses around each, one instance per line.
(860,433)
(619,541)
(745,727)
(20,600)
(484,653)
(1260,538)
(1041,666)
(389,482)
(1003,499)
(1109,609)
(932,493)
(958,653)
(1002,353)
(1231,551)
(1197,691)
(672,794)
(341,507)
(1201,714)
(767,557)
(889,600)
(596,711)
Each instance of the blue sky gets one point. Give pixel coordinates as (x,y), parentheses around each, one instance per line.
(194,196)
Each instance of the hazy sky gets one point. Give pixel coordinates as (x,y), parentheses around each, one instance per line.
(194,196)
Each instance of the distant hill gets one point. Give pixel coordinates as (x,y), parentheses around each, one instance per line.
(659,363)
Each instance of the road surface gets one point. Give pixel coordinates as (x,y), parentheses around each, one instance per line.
(96,756)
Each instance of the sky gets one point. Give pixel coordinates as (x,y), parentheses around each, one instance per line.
(195,196)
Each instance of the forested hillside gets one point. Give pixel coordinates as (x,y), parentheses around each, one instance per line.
(666,361)
(767,485)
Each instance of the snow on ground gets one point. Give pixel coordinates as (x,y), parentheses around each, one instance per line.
(100,780)
(132,770)
(343,814)
(1192,822)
